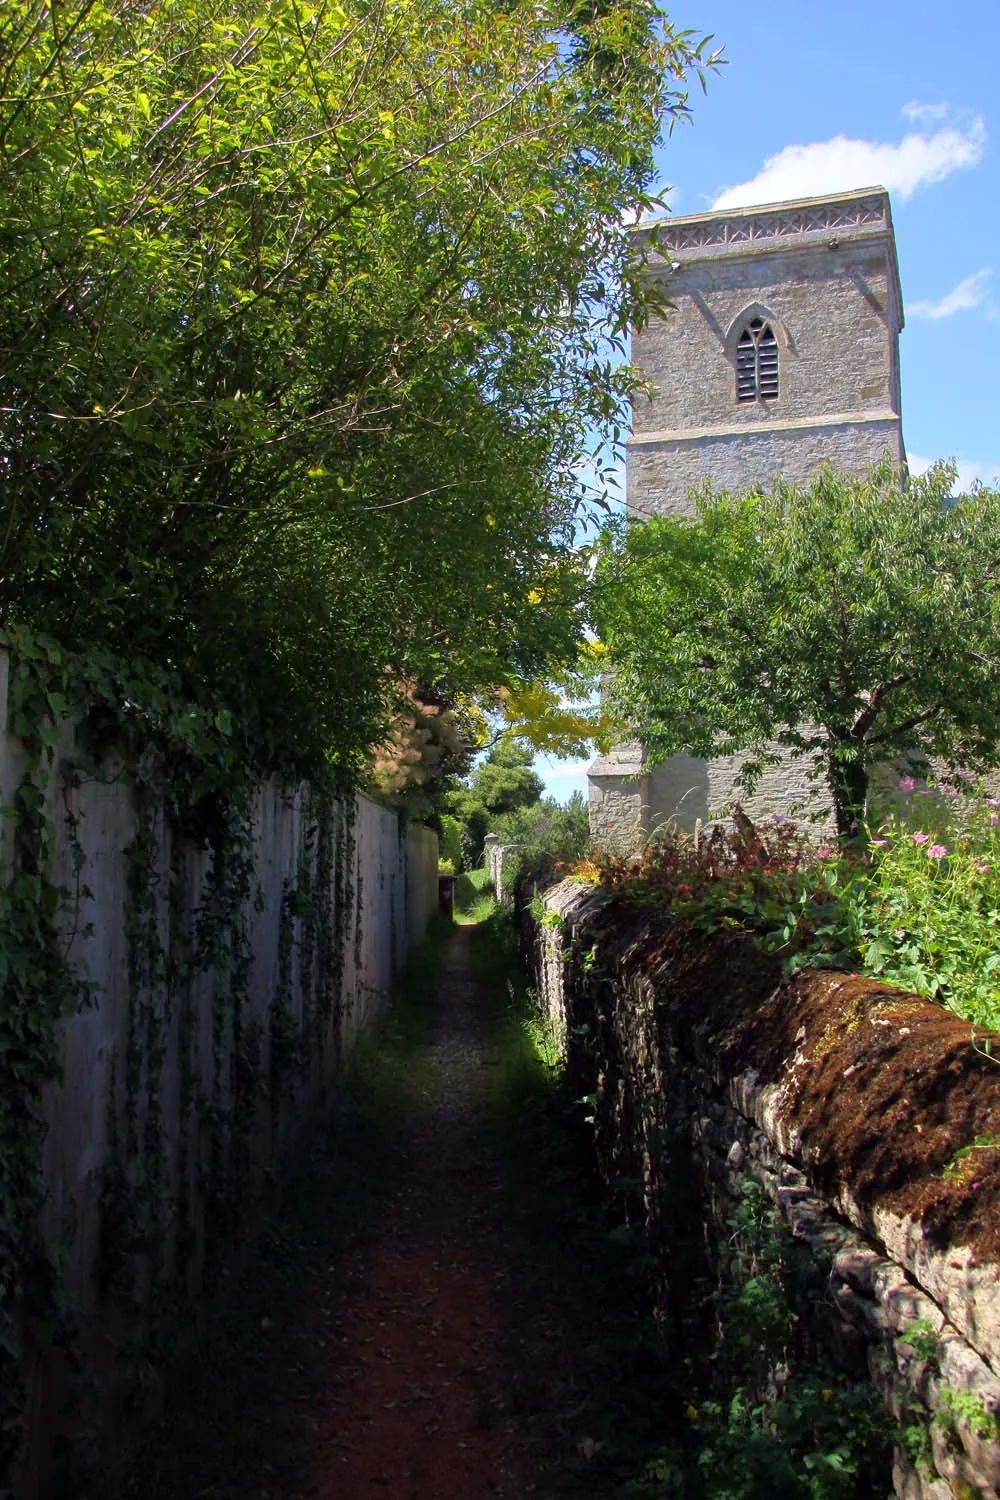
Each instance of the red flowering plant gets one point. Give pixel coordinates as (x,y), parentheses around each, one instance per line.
(772,882)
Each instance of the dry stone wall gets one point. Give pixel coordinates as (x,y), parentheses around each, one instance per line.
(851,1103)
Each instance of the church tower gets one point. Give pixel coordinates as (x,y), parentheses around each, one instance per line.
(780,352)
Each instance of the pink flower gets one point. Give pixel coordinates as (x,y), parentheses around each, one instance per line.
(937,851)
(983,869)
(824,854)
(899,934)
(907,784)
(993,802)
(921,838)
(880,843)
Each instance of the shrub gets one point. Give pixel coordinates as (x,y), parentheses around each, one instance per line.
(773,883)
(927,912)
(560,831)
(451,841)
(915,901)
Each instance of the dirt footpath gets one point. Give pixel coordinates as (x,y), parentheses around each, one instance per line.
(418,1396)
(405,1348)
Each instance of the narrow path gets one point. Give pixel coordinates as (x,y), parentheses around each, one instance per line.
(417,1404)
(413,1354)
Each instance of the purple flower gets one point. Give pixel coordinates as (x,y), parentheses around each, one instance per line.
(994,820)
(777,818)
(880,843)
(921,838)
(937,851)
(907,784)
(993,802)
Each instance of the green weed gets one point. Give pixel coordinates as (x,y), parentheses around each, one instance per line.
(474,900)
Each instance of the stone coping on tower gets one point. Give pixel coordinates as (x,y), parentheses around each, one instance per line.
(822,222)
(749,429)
(626,759)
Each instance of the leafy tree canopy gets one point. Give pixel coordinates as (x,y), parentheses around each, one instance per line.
(852,622)
(502,783)
(306,312)
(548,829)
(562,715)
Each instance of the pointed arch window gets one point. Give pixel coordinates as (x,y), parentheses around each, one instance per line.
(757,362)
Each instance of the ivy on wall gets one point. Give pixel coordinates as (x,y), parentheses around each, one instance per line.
(36,985)
(171,1209)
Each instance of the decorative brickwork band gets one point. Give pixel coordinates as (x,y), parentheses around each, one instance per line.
(779,223)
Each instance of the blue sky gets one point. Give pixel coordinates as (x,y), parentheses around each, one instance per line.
(817,99)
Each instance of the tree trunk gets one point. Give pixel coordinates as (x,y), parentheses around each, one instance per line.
(848,778)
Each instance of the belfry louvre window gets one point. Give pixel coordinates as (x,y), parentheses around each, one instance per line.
(757,363)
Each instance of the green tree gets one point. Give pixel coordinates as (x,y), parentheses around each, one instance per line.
(853,622)
(560,831)
(306,312)
(502,783)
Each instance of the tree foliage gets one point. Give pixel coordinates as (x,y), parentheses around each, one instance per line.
(502,783)
(853,622)
(548,829)
(306,313)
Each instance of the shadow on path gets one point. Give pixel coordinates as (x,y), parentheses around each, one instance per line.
(394,1341)
(416,1408)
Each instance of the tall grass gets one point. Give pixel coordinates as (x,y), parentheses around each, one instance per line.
(474,901)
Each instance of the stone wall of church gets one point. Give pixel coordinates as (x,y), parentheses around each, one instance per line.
(662,472)
(834,315)
(822,273)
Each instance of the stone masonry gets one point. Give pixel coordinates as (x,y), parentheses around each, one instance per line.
(819,277)
(708,1069)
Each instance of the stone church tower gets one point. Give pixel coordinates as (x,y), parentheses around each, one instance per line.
(780,352)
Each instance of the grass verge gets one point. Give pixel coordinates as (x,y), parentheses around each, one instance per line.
(473,897)
(599,1389)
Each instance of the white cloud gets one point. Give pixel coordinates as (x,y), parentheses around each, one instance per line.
(925,114)
(838,165)
(970,293)
(969,470)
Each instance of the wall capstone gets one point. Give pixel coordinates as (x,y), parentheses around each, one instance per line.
(847,1100)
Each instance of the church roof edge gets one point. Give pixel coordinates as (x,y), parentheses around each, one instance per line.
(860,212)
(751,210)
